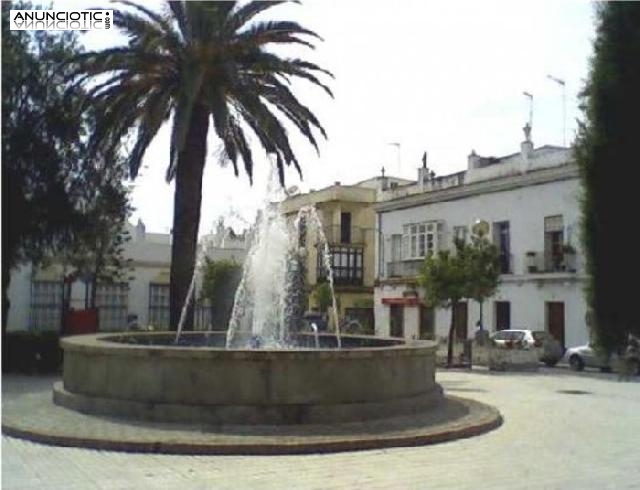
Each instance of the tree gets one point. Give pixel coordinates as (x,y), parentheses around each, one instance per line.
(97,249)
(483,269)
(199,62)
(444,277)
(606,149)
(323,297)
(219,283)
(41,147)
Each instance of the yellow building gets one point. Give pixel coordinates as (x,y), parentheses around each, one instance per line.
(348,219)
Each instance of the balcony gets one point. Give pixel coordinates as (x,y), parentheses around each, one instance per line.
(346,264)
(404,268)
(336,234)
(546,262)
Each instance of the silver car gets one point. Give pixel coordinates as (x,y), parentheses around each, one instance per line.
(587,356)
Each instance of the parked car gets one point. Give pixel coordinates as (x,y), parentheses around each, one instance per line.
(587,356)
(550,350)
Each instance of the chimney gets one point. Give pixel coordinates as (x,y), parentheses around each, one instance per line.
(474,160)
(526,147)
(423,172)
(140,231)
(384,181)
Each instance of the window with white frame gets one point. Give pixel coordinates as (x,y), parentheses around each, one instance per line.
(420,239)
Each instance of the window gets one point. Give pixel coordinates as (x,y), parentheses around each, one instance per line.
(553,241)
(502,239)
(346,264)
(345,227)
(420,239)
(112,301)
(159,305)
(46,305)
(460,234)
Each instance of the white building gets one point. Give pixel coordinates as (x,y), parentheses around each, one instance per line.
(530,200)
(35,294)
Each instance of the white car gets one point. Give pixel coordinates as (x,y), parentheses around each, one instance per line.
(587,356)
(550,350)
(513,338)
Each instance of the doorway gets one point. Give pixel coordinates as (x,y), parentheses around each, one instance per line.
(555,320)
(503,315)
(460,320)
(396,320)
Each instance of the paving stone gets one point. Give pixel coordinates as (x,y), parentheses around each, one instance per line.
(549,439)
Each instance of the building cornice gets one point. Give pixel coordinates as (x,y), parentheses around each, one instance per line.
(537,177)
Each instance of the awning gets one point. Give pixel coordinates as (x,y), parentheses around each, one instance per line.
(401,301)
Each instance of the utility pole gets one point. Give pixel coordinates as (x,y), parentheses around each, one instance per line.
(564,107)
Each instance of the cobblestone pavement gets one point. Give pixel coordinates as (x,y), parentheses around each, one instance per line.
(562,430)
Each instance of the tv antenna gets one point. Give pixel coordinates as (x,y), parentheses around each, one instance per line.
(562,83)
(530,97)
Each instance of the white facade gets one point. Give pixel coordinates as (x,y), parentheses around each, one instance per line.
(531,199)
(35,295)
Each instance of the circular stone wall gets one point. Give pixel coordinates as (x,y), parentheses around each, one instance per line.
(125,375)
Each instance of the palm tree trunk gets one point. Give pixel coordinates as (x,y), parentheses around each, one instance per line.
(186,215)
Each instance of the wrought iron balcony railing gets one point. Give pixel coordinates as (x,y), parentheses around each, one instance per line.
(336,234)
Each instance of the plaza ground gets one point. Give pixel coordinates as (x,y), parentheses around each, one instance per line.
(561,430)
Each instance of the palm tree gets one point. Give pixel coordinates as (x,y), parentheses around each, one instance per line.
(198,62)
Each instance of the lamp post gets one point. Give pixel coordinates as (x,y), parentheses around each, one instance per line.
(480,228)
(564,107)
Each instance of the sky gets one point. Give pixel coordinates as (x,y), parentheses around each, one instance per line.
(410,76)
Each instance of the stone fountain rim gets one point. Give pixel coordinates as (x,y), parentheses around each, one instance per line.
(103,343)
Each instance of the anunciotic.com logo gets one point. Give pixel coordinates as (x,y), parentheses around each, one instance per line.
(60,20)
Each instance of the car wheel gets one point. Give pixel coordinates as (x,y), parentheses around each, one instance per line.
(576,363)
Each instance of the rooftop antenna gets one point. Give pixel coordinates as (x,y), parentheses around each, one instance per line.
(397,145)
(564,107)
(527,94)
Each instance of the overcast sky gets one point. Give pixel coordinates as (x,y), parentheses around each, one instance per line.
(441,77)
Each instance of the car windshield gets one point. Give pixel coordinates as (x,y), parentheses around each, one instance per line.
(509,335)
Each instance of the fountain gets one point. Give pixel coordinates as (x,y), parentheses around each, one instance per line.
(263,369)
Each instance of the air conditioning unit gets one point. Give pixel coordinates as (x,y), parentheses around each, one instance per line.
(532,261)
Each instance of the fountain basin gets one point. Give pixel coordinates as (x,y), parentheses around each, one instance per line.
(143,376)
